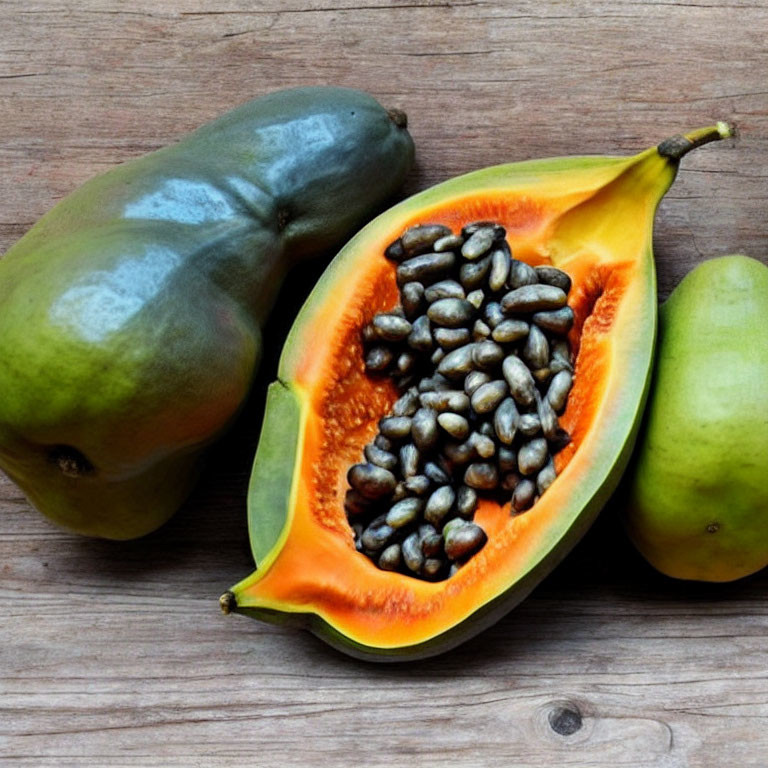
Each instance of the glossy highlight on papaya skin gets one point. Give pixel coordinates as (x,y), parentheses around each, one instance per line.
(591,217)
(131,313)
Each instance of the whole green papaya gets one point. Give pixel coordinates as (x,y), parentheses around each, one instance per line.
(698,499)
(131,313)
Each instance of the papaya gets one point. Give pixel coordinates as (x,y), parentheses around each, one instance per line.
(589,217)
(697,498)
(131,313)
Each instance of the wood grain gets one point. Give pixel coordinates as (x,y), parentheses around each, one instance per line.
(116,655)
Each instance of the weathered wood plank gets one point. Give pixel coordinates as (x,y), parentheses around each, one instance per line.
(115,654)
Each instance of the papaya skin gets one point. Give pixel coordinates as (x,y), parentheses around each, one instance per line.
(590,216)
(131,313)
(698,501)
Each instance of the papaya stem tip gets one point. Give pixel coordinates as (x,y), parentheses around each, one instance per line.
(676,147)
(227,602)
(398,117)
(725,130)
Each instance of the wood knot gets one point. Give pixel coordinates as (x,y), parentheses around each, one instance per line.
(565,720)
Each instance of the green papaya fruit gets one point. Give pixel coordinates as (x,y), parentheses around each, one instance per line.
(698,499)
(131,314)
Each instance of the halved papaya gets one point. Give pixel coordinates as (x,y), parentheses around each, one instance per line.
(590,216)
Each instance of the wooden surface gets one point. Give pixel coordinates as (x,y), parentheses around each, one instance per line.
(117,655)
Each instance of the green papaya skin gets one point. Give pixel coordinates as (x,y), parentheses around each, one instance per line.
(698,499)
(131,313)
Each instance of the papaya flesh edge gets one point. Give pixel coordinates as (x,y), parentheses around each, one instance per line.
(590,216)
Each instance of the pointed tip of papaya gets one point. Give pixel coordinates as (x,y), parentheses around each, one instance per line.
(228,602)
(676,147)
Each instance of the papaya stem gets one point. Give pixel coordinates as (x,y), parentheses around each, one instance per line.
(398,117)
(677,146)
(227,603)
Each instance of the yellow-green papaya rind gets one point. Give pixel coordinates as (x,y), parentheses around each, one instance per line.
(271,487)
(318,602)
(130,314)
(698,500)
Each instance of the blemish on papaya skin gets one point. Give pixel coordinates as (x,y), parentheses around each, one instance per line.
(713,527)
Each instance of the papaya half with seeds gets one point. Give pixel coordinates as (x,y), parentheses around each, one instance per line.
(589,216)
(131,314)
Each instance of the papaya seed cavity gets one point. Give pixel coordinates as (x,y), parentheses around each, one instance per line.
(463,397)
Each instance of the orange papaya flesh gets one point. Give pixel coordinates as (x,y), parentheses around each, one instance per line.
(590,216)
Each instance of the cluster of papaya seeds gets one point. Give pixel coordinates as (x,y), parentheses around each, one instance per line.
(478,350)
(406,406)
(131,314)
